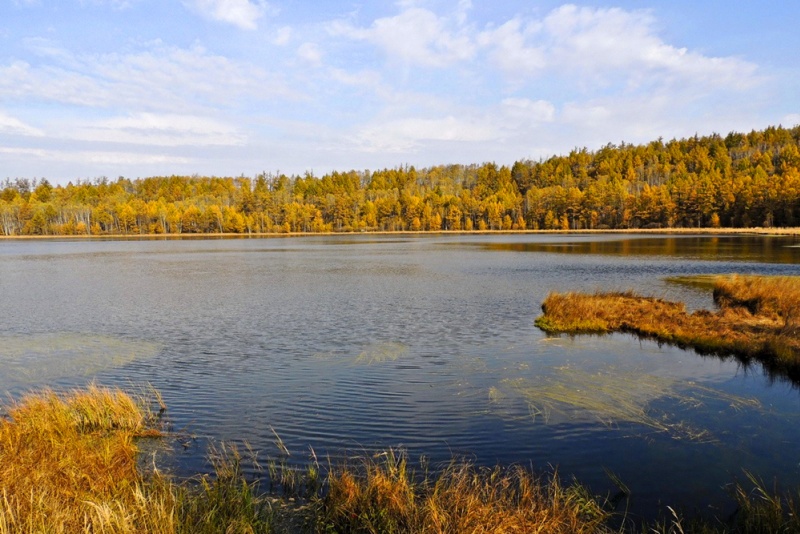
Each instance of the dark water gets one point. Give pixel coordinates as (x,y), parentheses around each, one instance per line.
(354,344)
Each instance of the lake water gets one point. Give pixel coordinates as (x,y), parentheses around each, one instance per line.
(354,344)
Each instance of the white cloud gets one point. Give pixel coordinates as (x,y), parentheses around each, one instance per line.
(94,157)
(156,78)
(409,133)
(310,53)
(362,78)
(791,120)
(282,36)
(586,47)
(167,130)
(12,126)
(415,36)
(116,4)
(510,50)
(241,13)
(603,46)
(529,110)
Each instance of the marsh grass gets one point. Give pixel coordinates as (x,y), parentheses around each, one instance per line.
(69,464)
(384,495)
(64,458)
(758,318)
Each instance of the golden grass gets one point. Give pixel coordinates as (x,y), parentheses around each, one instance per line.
(759,317)
(63,459)
(384,495)
(69,464)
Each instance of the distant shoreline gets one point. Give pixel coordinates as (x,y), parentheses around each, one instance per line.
(654,231)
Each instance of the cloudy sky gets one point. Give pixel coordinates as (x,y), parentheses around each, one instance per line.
(137,88)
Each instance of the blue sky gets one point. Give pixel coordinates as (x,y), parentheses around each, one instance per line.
(138,88)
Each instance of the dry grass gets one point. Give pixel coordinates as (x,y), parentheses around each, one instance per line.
(759,317)
(65,459)
(385,496)
(69,464)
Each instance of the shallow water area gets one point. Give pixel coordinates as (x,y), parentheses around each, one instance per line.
(349,344)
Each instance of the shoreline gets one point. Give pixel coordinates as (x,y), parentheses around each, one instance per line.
(760,231)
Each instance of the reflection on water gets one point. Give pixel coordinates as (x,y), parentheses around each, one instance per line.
(423,342)
(766,249)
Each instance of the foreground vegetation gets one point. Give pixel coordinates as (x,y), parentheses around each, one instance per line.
(71,463)
(758,318)
(737,181)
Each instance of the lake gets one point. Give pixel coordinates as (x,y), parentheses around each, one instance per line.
(353,344)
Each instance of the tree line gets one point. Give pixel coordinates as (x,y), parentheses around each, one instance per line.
(740,180)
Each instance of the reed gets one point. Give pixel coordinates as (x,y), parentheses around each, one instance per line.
(70,463)
(383,495)
(64,459)
(758,318)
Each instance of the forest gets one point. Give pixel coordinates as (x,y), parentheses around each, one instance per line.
(739,181)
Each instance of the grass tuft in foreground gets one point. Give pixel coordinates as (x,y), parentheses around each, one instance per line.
(69,464)
(384,495)
(758,317)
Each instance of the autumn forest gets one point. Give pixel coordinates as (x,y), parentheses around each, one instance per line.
(739,180)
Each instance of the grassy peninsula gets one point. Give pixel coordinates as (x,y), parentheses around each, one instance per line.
(758,318)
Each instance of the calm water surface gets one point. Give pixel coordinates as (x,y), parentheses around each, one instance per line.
(354,344)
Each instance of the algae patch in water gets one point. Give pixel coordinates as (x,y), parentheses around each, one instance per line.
(380,353)
(705,282)
(42,357)
(614,397)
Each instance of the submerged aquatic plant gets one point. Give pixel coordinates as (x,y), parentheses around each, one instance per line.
(28,358)
(380,353)
(614,397)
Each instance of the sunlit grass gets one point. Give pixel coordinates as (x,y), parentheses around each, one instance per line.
(758,317)
(69,464)
(384,495)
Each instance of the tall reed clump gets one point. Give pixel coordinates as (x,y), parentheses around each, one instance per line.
(385,496)
(66,461)
(69,464)
(758,317)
